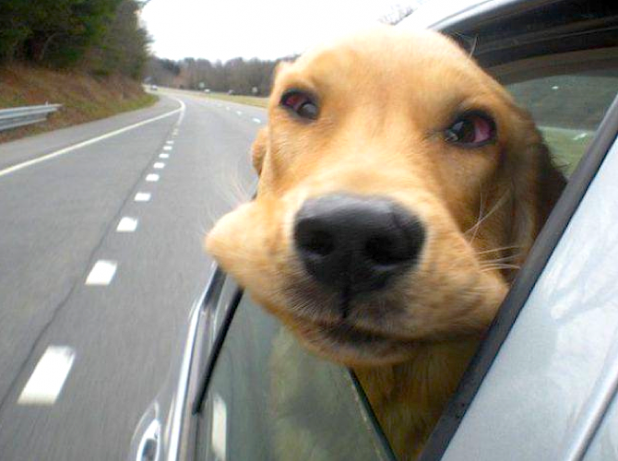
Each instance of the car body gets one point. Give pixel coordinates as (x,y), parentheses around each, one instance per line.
(543,384)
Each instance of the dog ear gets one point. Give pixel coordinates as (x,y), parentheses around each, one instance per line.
(537,185)
(259,149)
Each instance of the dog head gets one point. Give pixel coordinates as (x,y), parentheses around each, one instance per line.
(400,186)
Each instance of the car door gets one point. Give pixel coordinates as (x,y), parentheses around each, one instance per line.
(260,396)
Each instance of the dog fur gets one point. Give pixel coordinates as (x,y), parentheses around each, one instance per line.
(385,98)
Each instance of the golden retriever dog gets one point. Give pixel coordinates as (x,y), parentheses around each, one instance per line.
(400,190)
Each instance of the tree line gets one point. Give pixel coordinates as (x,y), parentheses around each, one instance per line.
(101,36)
(239,75)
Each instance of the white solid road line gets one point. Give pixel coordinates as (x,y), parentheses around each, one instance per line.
(48,377)
(127,224)
(164,155)
(66,150)
(159,165)
(152,177)
(102,272)
(142,197)
(257,120)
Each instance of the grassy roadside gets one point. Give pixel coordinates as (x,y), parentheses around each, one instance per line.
(84,97)
(249,100)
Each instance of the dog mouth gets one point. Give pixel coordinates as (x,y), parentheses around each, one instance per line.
(349,344)
(339,334)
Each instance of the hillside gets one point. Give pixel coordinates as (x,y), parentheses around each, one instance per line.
(84,97)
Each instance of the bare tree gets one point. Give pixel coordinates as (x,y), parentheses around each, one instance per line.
(398,13)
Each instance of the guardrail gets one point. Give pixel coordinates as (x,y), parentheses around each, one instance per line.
(20,116)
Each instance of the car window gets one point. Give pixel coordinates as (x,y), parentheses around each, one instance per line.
(270,399)
(568,108)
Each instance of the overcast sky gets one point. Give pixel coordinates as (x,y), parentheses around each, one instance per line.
(267,29)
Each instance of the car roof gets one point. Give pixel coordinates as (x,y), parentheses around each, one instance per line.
(440,13)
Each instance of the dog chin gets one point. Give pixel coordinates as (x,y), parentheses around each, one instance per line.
(349,345)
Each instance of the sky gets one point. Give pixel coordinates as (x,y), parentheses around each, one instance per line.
(266,29)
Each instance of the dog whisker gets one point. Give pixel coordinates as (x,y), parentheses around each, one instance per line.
(504,248)
(492,267)
(480,221)
(503,259)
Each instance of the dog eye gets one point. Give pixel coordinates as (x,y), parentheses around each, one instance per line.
(472,129)
(300,103)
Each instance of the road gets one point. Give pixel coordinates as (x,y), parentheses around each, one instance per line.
(100,306)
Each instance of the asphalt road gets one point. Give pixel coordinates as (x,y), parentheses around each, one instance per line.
(114,332)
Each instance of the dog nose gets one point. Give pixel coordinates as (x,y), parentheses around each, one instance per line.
(356,243)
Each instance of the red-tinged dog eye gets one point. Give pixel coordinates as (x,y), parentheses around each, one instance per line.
(300,103)
(472,129)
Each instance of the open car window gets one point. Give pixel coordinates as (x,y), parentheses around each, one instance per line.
(568,108)
(268,398)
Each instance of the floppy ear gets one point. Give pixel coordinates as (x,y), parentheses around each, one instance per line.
(536,185)
(259,149)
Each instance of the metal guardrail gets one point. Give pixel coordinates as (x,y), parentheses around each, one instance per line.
(20,116)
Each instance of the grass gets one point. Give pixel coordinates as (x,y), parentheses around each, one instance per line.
(84,97)
(567,146)
(249,100)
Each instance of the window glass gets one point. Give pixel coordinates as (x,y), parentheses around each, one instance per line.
(568,109)
(269,399)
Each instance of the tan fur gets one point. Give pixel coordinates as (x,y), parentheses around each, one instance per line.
(385,98)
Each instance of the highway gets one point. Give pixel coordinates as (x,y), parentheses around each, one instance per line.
(101,259)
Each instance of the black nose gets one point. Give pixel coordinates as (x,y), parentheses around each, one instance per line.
(356,243)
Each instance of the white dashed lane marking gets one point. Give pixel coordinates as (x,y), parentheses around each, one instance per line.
(102,273)
(48,377)
(227,108)
(142,197)
(159,165)
(127,224)
(164,155)
(257,120)
(152,177)
(170,142)
(239,112)
(167,147)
